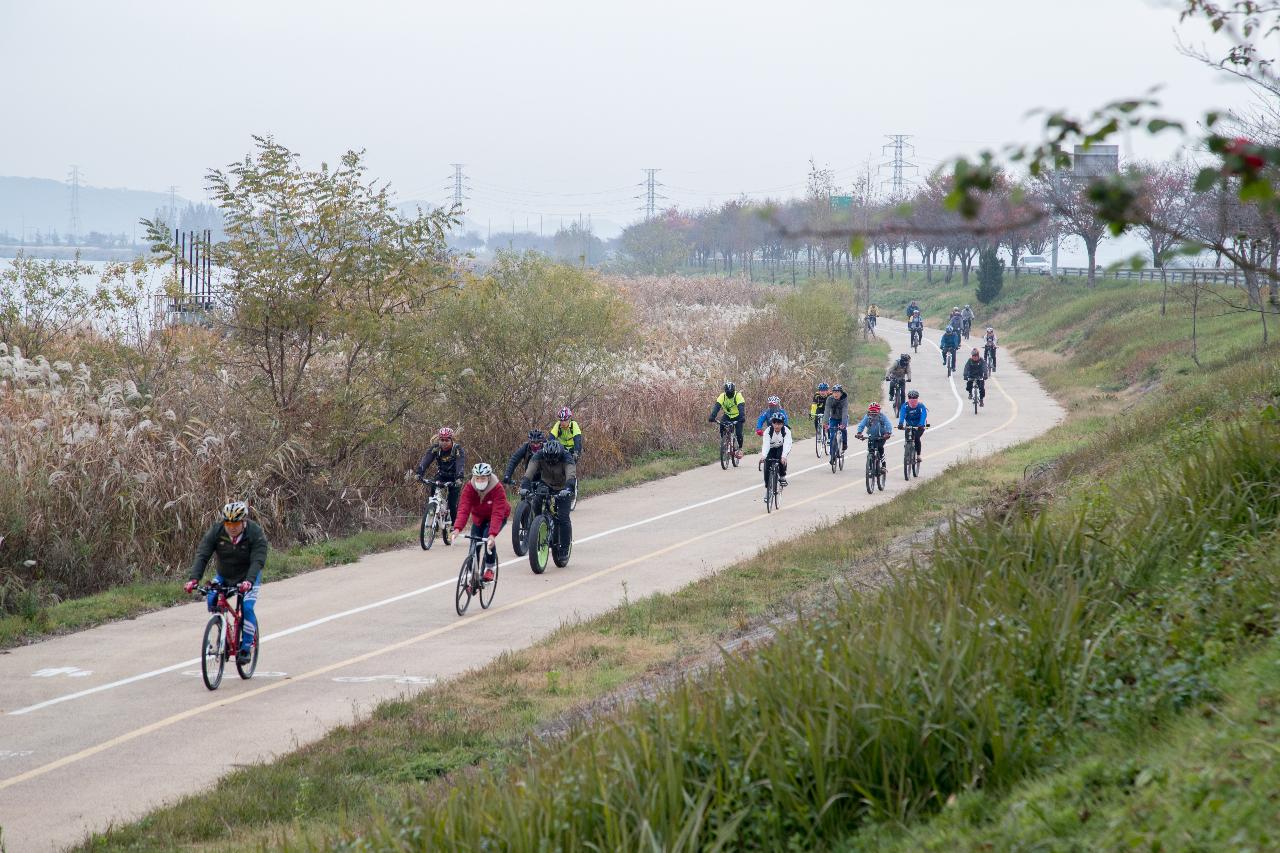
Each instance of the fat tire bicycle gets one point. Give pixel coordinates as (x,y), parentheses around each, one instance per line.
(544,533)
(435,516)
(222,633)
(877,471)
(471,582)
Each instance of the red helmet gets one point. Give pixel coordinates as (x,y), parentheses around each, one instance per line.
(873,409)
(446,432)
(565,414)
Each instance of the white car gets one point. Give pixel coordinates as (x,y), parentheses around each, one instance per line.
(1034,263)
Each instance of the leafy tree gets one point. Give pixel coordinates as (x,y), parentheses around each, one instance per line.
(657,245)
(43,302)
(990,275)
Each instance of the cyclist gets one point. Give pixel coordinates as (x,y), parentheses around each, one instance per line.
(950,342)
(914,414)
(524,453)
(915,325)
(954,319)
(966,317)
(975,370)
(989,345)
(241,547)
(913,309)
(873,314)
(899,375)
(451,465)
(837,414)
(567,432)
(732,403)
(554,466)
(876,427)
(818,405)
(484,503)
(775,407)
(777,445)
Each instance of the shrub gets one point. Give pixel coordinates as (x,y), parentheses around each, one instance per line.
(990,276)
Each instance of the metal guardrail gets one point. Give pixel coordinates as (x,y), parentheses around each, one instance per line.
(1181,274)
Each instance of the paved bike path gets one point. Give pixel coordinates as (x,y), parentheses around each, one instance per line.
(103,725)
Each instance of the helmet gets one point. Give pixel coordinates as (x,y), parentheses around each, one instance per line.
(915,313)
(873,409)
(729,388)
(552,450)
(955,308)
(975,354)
(235,511)
(777,418)
(774,401)
(913,394)
(966,306)
(837,388)
(990,329)
(950,328)
(904,359)
(565,414)
(822,386)
(535,435)
(481,469)
(446,432)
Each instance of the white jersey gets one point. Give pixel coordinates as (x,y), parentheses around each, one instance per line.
(776,439)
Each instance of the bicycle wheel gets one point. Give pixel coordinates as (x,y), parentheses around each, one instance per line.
(488,588)
(973,395)
(840,459)
(908,456)
(520,527)
(819,441)
(446,527)
(427,531)
(573,502)
(560,555)
(212,659)
(462,593)
(915,465)
(770,484)
(539,544)
(246,670)
(777,491)
(882,471)
(725,452)
(736,456)
(871,475)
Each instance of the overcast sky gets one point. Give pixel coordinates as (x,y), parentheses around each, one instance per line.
(556,107)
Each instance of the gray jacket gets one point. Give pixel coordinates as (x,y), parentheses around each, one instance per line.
(838,408)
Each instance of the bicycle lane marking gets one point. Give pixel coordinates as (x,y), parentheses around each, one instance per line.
(173,719)
(57,700)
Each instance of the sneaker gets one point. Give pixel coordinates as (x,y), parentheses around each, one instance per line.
(244,656)
(982,402)
(488,575)
(782,481)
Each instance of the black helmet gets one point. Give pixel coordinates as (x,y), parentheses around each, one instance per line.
(913,394)
(729,388)
(552,451)
(535,435)
(904,359)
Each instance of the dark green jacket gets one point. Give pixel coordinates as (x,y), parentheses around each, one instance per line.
(236,562)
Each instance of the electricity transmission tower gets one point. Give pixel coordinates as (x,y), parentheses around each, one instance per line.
(459,187)
(73,179)
(173,206)
(651,195)
(901,150)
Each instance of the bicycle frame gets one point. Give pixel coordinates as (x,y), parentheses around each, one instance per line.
(234,615)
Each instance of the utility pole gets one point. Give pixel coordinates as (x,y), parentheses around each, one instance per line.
(73,179)
(899,145)
(651,194)
(173,209)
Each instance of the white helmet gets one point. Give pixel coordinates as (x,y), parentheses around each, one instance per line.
(235,511)
(481,469)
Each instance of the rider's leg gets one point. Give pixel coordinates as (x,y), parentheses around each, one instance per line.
(212,599)
(562,521)
(982,391)
(737,429)
(250,629)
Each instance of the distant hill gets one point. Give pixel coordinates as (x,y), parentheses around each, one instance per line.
(45,205)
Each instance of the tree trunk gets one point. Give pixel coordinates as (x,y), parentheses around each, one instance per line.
(1091,246)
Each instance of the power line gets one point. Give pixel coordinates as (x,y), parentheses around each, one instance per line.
(73,178)
(897,183)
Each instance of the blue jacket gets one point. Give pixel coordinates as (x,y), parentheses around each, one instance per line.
(951,341)
(878,428)
(916,417)
(766,414)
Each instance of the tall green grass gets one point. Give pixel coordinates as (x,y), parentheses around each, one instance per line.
(1030,624)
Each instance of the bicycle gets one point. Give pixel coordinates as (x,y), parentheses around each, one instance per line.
(990,352)
(730,449)
(877,471)
(435,517)
(916,335)
(222,636)
(819,437)
(868,328)
(966,326)
(544,533)
(950,357)
(471,580)
(975,396)
(897,395)
(910,461)
(520,520)
(771,489)
(836,451)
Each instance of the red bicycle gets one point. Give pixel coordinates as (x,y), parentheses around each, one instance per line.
(222,636)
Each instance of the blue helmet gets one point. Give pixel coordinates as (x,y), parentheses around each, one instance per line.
(822,386)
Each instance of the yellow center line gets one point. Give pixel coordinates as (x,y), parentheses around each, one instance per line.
(91,751)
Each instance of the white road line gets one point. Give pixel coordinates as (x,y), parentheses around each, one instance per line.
(421,590)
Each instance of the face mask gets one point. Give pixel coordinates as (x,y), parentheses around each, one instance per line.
(479,484)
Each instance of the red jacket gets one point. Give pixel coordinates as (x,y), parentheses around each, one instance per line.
(492,506)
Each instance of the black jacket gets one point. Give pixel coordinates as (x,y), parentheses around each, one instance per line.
(523,454)
(238,561)
(449,466)
(975,369)
(560,474)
